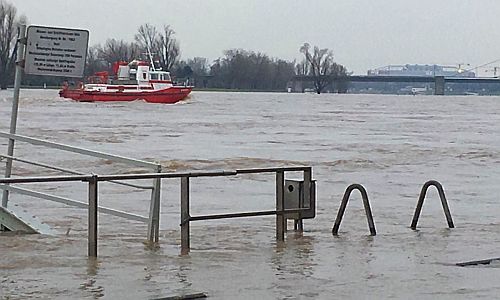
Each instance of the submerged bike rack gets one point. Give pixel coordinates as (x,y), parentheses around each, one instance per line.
(368,211)
(343,206)
(420,203)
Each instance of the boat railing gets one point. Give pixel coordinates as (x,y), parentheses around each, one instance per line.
(298,205)
(108,79)
(148,166)
(98,79)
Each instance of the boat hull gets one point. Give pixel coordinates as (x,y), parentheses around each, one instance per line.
(171,95)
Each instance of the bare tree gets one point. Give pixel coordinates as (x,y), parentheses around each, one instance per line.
(249,70)
(167,48)
(147,38)
(118,50)
(199,65)
(94,63)
(161,44)
(302,68)
(321,66)
(9,33)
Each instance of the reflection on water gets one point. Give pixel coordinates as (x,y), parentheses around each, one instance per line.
(92,266)
(390,144)
(298,249)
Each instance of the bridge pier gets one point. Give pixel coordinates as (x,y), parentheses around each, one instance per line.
(439,85)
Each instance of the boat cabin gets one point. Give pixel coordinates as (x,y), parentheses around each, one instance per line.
(141,72)
(126,76)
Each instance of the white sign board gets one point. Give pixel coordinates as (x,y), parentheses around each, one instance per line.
(56,51)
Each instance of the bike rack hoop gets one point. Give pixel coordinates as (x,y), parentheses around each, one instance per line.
(420,203)
(343,205)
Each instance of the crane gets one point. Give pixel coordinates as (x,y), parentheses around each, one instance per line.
(494,70)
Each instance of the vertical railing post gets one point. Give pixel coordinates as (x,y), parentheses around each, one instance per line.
(306,197)
(280,204)
(185,243)
(154,210)
(92,215)
(21,42)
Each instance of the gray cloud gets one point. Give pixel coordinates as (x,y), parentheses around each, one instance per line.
(362,33)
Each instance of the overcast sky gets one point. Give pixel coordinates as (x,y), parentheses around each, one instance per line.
(363,34)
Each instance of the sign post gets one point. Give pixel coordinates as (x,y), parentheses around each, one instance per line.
(50,51)
(21,42)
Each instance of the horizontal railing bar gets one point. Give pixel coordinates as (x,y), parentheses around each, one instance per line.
(143,187)
(42,165)
(74,203)
(71,171)
(116,177)
(79,150)
(199,174)
(46,179)
(245,214)
(165,175)
(149,175)
(271,170)
(233,215)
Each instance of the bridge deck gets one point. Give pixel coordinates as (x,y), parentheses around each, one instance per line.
(425,79)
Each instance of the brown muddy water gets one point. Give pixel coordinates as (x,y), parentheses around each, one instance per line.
(390,144)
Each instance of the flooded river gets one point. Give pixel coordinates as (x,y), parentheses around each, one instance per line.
(389,144)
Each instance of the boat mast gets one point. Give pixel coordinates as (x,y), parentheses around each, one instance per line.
(151,58)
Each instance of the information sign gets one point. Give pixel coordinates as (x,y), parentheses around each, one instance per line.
(56,51)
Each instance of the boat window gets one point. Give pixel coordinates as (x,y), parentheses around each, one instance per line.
(144,75)
(167,77)
(154,76)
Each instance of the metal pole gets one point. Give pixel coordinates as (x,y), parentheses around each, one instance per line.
(280,198)
(154,210)
(368,211)
(340,214)
(446,208)
(185,244)
(306,196)
(92,235)
(15,105)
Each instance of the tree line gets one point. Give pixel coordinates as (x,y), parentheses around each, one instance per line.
(237,69)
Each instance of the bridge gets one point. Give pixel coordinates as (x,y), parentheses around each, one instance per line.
(439,81)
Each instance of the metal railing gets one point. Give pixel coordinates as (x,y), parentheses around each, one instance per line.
(93,198)
(155,187)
